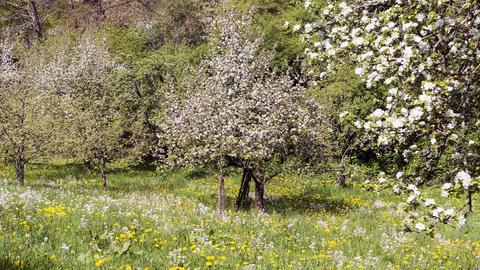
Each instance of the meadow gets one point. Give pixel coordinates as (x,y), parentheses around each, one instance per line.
(378,96)
(150,220)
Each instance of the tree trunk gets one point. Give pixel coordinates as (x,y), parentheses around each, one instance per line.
(242,198)
(221,195)
(87,164)
(341,177)
(20,170)
(37,25)
(258,178)
(104,180)
(20,162)
(103,172)
(469,201)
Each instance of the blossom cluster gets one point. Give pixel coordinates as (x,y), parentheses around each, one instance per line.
(425,56)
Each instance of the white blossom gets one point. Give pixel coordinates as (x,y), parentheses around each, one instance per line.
(450,212)
(415,114)
(382,140)
(447,186)
(359,71)
(437,211)
(420,226)
(382,180)
(393,91)
(420,17)
(428,85)
(398,122)
(357,41)
(308,28)
(343,114)
(429,202)
(464,178)
(378,113)
(307,4)
(411,198)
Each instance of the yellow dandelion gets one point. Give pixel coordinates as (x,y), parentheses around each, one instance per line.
(101,261)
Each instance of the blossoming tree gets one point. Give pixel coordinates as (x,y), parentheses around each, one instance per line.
(426,57)
(81,77)
(239,112)
(26,109)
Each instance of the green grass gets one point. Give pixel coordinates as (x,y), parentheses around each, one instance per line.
(61,219)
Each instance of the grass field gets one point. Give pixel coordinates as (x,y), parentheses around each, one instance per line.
(62,219)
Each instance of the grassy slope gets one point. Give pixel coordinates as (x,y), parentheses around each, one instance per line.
(148,220)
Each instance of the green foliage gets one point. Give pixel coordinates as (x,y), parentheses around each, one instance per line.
(288,47)
(343,99)
(269,21)
(147,74)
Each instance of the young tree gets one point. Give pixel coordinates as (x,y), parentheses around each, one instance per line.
(426,55)
(239,112)
(27,111)
(343,98)
(83,76)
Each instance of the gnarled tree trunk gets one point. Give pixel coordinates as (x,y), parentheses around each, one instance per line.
(20,162)
(242,198)
(259,180)
(20,170)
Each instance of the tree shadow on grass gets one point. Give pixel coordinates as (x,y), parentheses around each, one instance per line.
(148,181)
(48,175)
(56,171)
(308,203)
(313,200)
(78,170)
(6,264)
(125,179)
